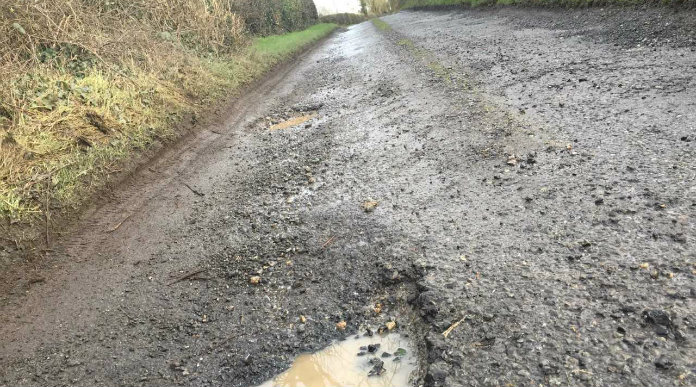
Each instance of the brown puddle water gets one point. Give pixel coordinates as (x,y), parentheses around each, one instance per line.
(339,365)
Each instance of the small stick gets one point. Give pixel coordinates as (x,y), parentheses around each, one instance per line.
(451,328)
(120,223)
(193,190)
(186,276)
(328,242)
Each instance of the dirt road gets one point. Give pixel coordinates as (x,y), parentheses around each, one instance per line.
(535,190)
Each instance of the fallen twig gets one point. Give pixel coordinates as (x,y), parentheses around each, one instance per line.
(451,328)
(193,190)
(328,242)
(119,223)
(186,275)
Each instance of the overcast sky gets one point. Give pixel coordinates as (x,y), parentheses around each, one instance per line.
(327,7)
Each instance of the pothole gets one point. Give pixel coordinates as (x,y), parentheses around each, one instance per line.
(388,360)
(289,123)
(288,118)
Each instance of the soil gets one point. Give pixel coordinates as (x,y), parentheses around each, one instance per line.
(515,187)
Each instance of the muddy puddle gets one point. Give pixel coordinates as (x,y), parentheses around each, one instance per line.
(364,361)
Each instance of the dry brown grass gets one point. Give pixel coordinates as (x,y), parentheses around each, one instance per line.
(113,28)
(87,84)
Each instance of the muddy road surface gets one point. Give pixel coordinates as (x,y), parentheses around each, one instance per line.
(513,191)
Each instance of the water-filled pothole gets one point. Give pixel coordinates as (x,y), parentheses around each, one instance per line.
(365,361)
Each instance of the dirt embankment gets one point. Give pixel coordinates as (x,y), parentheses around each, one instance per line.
(88,87)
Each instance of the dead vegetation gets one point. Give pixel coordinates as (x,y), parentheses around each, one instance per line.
(88,84)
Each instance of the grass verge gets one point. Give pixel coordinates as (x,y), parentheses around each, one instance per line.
(65,130)
(381,24)
(344,19)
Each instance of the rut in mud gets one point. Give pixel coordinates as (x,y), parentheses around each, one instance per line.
(513,188)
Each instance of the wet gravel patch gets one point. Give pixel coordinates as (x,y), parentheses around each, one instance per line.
(261,249)
(571,240)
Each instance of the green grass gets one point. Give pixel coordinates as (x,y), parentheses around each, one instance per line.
(52,157)
(279,46)
(381,24)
